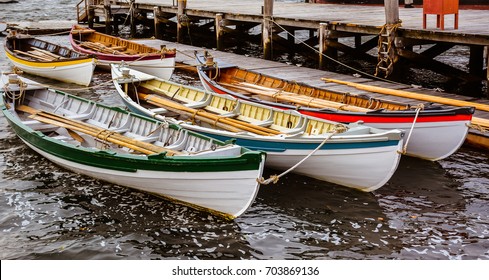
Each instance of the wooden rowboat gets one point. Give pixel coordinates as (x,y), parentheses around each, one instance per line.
(350,155)
(122,148)
(45,59)
(433,132)
(109,49)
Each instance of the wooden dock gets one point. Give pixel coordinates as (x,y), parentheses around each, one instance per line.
(328,25)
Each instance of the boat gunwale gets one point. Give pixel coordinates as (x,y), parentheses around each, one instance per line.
(444,112)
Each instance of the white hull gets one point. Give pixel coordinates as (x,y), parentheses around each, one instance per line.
(431,140)
(161,68)
(362,169)
(80,74)
(225,192)
(365,169)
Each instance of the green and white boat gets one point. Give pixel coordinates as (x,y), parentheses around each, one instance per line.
(127,149)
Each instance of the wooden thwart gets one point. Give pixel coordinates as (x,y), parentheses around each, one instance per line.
(36,56)
(294,98)
(206,116)
(102,48)
(95,131)
(48,53)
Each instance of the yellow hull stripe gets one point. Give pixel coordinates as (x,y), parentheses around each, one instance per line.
(47,64)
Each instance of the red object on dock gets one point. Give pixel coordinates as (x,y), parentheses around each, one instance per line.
(440,8)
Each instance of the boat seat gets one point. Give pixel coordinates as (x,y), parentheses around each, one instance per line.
(287,130)
(62,138)
(158,110)
(357,131)
(263,123)
(220,112)
(75,116)
(147,139)
(120,129)
(180,143)
(40,126)
(47,104)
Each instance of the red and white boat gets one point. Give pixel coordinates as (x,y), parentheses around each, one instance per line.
(113,50)
(432,133)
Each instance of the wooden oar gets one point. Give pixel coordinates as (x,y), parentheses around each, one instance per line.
(197,117)
(481,122)
(82,31)
(170,95)
(100,47)
(48,53)
(171,105)
(408,94)
(298,99)
(95,131)
(33,55)
(75,135)
(41,54)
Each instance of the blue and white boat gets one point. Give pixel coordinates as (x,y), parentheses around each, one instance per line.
(352,155)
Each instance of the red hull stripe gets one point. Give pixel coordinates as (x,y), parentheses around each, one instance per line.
(349,118)
(387,119)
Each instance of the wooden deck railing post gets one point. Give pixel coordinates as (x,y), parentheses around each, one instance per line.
(219,32)
(267,28)
(182,5)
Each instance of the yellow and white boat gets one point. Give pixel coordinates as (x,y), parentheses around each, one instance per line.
(45,59)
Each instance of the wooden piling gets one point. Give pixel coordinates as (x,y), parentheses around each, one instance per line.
(219,32)
(325,50)
(391,11)
(476,60)
(91,14)
(108,17)
(267,28)
(158,29)
(182,4)
(387,53)
(358,41)
(487,71)
(133,19)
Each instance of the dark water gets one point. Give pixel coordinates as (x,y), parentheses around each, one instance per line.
(427,211)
